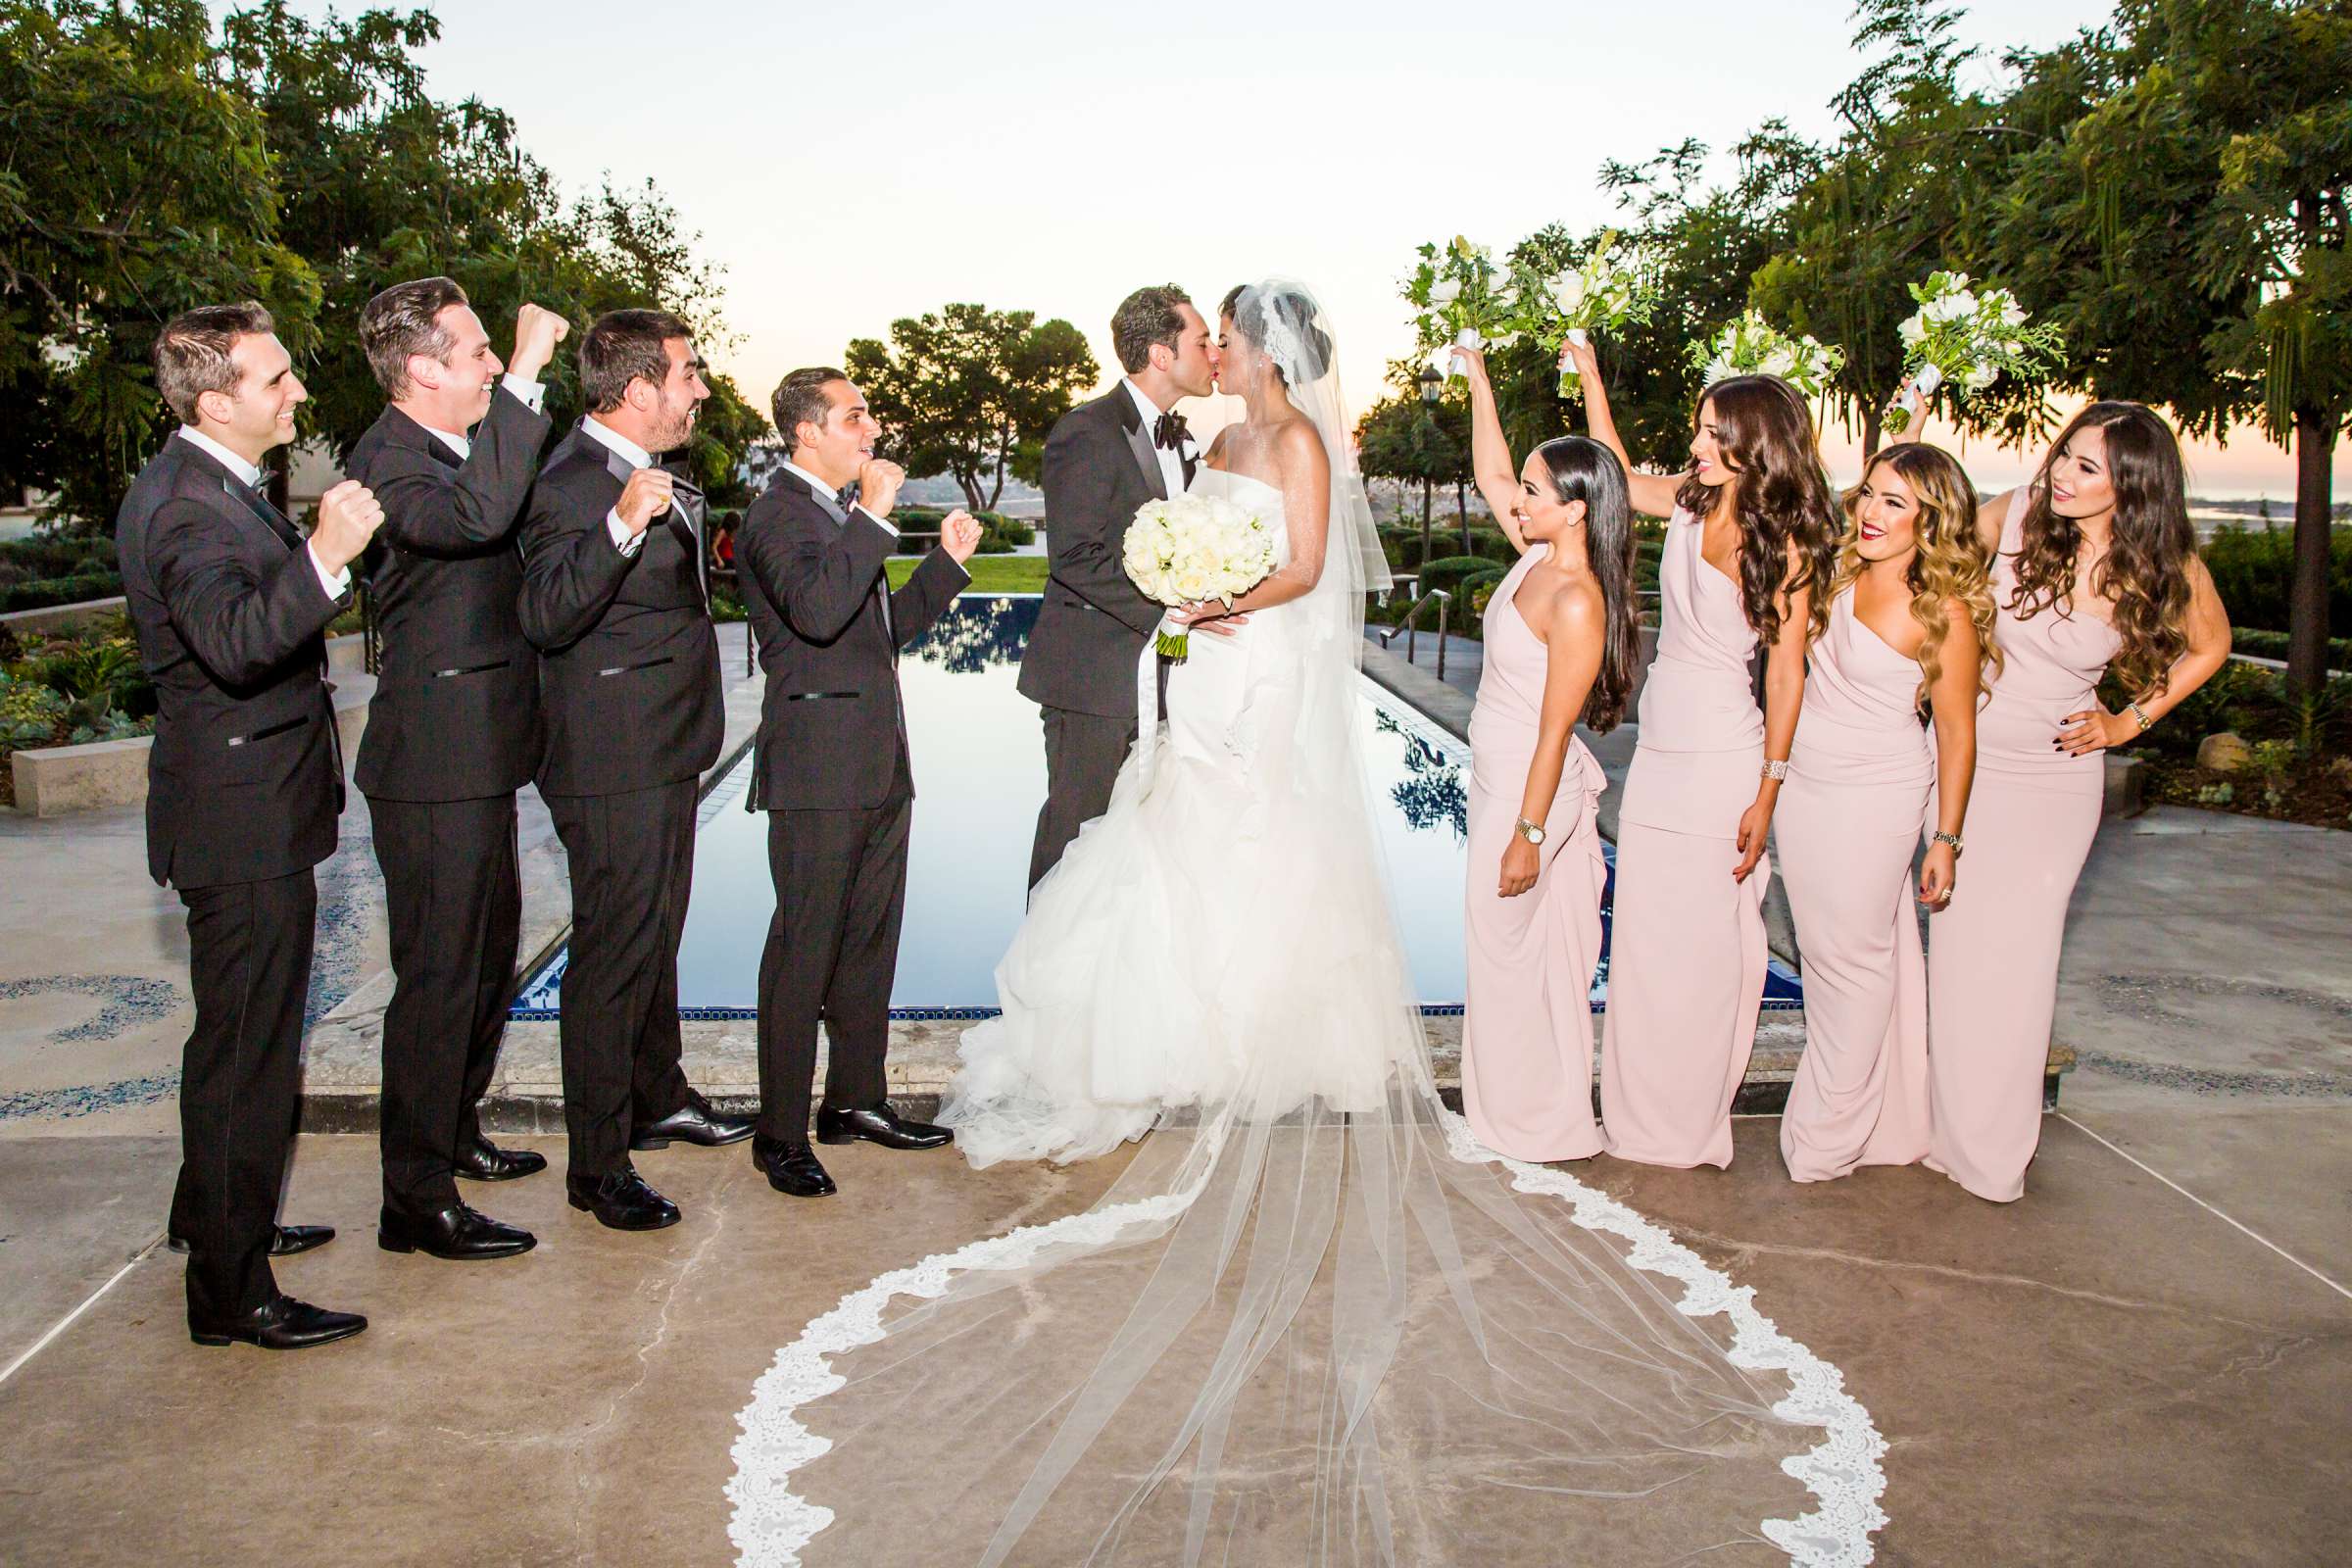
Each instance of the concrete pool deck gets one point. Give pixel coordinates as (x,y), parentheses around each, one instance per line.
(2148,1361)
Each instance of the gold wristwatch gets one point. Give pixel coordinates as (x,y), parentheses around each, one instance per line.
(1533,832)
(1953,839)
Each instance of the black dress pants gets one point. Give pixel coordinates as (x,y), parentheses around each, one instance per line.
(1084,753)
(832,951)
(632,868)
(453,886)
(240,1083)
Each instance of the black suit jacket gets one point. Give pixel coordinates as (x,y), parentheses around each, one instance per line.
(456,713)
(246,777)
(1098,468)
(628,666)
(832,725)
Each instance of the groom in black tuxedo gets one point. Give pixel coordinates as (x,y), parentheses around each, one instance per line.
(244,786)
(832,769)
(615,597)
(452,733)
(1104,460)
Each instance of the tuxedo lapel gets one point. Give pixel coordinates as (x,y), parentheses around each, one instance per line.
(1139,441)
(254,502)
(830,503)
(689,512)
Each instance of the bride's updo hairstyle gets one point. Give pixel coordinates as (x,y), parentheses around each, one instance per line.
(1281,322)
(1789,519)
(1582,469)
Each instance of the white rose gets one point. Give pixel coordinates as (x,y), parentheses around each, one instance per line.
(1912,331)
(1779,361)
(1568,292)
(1444,291)
(1979,376)
(1191,586)
(2012,312)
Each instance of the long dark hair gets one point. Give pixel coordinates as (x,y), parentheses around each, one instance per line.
(2144,573)
(1789,521)
(1582,469)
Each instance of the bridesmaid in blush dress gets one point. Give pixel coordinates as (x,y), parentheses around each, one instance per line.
(2096,575)
(1559,647)
(1751,538)
(1908,624)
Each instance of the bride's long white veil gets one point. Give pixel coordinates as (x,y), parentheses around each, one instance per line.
(1311,1321)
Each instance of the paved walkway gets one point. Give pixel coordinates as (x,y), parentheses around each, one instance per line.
(2146,1361)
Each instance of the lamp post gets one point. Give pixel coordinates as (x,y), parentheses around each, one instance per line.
(1433,387)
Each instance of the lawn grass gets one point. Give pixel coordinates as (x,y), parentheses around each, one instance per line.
(991,574)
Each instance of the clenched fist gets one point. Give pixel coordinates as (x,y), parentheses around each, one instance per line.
(959,535)
(643,499)
(348,517)
(878,481)
(537,331)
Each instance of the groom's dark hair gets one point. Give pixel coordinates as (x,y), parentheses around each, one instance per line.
(801,396)
(1144,318)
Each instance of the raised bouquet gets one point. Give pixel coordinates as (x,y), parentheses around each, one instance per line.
(1752,346)
(1607,290)
(1460,299)
(1965,338)
(1193,548)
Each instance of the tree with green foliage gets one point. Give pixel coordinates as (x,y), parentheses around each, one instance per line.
(136,182)
(973,392)
(1402,438)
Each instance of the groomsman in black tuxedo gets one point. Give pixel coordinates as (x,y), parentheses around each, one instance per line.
(614,596)
(1102,460)
(452,733)
(832,770)
(244,786)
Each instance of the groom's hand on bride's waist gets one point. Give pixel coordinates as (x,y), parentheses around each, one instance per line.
(1211,616)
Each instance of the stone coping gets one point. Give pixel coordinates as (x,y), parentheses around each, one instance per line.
(63,618)
(53,780)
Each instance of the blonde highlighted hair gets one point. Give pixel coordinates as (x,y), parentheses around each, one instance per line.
(1951,563)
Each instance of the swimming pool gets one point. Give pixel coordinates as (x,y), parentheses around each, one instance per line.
(979,776)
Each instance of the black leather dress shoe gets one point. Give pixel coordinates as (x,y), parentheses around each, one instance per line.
(877,1124)
(792,1168)
(283,1324)
(456,1233)
(693,1122)
(622,1202)
(485,1161)
(289,1240)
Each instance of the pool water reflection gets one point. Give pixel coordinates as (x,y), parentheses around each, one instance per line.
(980,775)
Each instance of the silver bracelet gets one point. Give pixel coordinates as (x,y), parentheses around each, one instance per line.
(1776,770)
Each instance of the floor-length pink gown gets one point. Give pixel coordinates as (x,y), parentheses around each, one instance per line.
(1686,952)
(1992,955)
(1527,1034)
(1848,824)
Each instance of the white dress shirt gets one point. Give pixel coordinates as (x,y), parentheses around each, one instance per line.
(534,396)
(637,457)
(1171,463)
(824,489)
(337,583)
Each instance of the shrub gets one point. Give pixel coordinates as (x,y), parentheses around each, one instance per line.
(2272,645)
(40,593)
(2252,568)
(30,712)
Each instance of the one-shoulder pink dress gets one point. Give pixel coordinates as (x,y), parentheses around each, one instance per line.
(1527,1034)
(1686,952)
(1847,825)
(1992,955)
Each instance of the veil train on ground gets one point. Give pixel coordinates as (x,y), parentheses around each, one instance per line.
(1313,1321)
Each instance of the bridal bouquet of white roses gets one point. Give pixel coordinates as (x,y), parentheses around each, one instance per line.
(1460,299)
(1966,337)
(1189,548)
(1607,290)
(1752,346)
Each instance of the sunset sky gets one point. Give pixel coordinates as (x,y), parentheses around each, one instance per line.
(848,164)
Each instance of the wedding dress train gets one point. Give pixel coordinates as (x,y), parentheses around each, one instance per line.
(1311,1321)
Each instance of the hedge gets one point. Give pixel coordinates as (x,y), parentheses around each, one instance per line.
(2252,568)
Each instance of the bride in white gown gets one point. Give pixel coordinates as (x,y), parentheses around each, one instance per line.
(1311,1321)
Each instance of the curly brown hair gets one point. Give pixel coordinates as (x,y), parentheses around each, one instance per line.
(1789,523)
(1951,560)
(2144,574)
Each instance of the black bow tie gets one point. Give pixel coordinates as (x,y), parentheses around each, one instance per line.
(846,496)
(1169,431)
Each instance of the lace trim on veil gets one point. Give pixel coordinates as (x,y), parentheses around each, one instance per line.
(771,1523)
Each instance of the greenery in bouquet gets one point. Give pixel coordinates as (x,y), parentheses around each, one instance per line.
(1754,346)
(1610,289)
(1963,339)
(1460,298)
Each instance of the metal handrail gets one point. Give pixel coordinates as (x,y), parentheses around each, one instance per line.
(1412,632)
